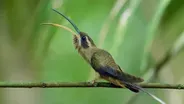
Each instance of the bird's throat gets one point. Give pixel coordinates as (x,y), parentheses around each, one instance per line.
(76,42)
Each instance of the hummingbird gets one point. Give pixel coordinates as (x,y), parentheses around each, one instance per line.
(103,63)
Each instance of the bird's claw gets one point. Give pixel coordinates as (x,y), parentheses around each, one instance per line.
(93,82)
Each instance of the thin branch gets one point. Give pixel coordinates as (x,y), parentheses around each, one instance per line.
(167,58)
(160,65)
(157,67)
(169,55)
(82,85)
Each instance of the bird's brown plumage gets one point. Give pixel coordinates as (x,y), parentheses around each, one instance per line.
(103,63)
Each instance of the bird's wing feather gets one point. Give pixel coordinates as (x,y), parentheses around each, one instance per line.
(104,64)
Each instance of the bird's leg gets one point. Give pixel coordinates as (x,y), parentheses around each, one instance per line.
(97,77)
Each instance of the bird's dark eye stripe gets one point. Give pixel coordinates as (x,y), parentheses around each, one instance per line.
(83,38)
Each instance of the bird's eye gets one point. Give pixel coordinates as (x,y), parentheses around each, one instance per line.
(83,38)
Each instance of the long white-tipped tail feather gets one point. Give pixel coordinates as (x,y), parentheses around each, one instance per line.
(140,88)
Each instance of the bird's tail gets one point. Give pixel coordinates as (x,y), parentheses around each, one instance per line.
(132,88)
(136,88)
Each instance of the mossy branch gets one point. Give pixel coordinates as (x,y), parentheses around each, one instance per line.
(82,85)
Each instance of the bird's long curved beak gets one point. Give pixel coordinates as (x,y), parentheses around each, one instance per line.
(63,27)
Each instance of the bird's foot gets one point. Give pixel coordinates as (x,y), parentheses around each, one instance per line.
(93,82)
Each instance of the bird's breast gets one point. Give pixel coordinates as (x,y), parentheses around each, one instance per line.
(87,53)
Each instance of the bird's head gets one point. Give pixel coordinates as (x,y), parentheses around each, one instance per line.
(81,39)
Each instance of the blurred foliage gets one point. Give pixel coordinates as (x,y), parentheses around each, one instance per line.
(138,37)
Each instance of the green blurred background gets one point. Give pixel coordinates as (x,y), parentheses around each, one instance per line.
(138,33)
